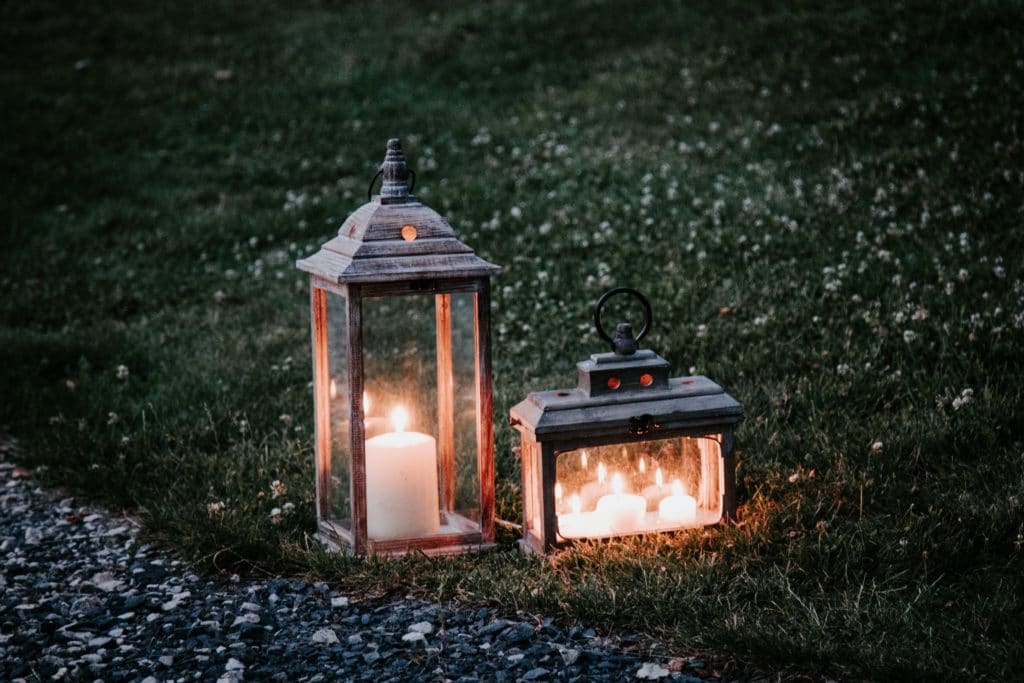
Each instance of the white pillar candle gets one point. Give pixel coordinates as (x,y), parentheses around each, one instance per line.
(401,483)
(593,490)
(623,512)
(576,523)
(678,508)
(656,491)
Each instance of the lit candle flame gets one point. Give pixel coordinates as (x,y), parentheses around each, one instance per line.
(659,478)
(574,501)
(399,418)
(677,488)
(602,472)
(332,390)
(618,483)
(583,459)
(642,465)
(558,490)
(366,403)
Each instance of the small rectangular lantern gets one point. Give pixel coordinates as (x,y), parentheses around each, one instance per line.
(629,451)
(404,448)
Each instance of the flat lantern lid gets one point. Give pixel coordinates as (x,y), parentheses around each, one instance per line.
(685,403)
(395,237)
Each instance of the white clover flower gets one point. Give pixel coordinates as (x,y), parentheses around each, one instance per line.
(965,397)
(876,447)
(909,336)
(288,508)
(122,372)
(275,516)
(215,509)
(278,489)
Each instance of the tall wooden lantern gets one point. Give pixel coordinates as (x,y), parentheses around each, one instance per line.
(629,451)
(402,379)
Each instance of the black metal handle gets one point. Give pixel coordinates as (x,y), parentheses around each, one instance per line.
(369,190)
(622,290)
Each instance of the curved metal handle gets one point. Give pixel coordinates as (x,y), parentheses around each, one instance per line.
(369,190)
(622,290)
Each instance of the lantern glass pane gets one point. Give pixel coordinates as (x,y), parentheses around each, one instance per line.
(338,395)
(467,482)
(420,405)
(639,487)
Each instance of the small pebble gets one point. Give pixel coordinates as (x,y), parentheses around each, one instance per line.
(325,636)
(424,627)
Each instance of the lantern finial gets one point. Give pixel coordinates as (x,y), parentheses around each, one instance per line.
(396,173)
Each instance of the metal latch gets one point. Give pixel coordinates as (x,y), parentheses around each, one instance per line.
(641,425)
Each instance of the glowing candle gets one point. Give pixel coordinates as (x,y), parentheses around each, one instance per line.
(401,482)
(678,508)
(576,523)
(656,491)
(623,512)
(595,489)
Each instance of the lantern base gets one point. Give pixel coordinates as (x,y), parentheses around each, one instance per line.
(533,545)
(338,539)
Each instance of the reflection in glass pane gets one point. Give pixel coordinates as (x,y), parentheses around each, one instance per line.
(337,361)
(467,484)
(639,487)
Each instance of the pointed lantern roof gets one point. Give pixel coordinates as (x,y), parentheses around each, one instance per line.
(395,237)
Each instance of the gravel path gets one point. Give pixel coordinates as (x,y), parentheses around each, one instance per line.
(84,600)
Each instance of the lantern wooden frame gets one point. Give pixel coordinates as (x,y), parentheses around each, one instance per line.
(375,257)
(624,397)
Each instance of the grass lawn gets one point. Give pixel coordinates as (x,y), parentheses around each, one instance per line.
(824,202)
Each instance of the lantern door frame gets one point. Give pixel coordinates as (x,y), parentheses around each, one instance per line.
(472,536)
